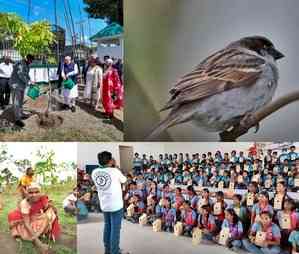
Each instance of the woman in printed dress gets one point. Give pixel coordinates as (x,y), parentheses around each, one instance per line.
(35,217)
(112,91)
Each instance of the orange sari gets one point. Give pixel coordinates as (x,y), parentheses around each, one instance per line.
(43,220)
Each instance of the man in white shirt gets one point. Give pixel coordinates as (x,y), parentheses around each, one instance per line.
(108,180)
(6,69)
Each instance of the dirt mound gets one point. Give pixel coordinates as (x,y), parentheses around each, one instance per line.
(47,120)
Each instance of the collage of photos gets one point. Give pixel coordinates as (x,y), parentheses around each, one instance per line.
(149,127)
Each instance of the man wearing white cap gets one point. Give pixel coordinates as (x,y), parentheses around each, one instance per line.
(69,72)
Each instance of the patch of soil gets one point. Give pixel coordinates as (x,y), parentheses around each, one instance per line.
(67,241)
(86,124)
(8,244)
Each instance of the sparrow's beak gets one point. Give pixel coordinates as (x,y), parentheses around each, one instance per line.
(276,54)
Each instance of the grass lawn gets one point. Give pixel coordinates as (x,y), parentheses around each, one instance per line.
(67,243)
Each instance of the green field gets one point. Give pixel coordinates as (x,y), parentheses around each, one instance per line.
(67,243)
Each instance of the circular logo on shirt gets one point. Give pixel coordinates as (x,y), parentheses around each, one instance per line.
(103,180)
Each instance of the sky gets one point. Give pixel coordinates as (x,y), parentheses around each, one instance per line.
(64,152)
(44,10)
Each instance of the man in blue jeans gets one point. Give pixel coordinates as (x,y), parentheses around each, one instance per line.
(108,180)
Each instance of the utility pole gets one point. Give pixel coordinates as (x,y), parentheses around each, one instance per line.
(56,30)
(29,11)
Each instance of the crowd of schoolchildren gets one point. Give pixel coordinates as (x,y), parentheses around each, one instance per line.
(198,196)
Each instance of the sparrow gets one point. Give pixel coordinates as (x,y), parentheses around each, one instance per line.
(226,88)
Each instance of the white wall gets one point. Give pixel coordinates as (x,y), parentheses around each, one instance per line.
(116,51)
(87,152)
(204,147)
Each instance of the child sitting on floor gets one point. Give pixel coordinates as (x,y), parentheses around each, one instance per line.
(294,241)
(234,229)
(264,236)
(288,221)
(188,218)
(168,216)
(240,210)
(206,222)
(218,209)
(261,206)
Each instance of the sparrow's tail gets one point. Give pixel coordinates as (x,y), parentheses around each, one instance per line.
(160,127)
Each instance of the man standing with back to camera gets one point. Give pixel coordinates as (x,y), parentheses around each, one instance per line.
(108,180)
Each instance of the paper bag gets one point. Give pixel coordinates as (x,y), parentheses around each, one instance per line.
(143,219)
(237,210)
(278,202)
(190,182)
(260,238)
(217,208)
(268,183)
(250,199)
(285,221)
(221,185)
(256,178)
(178,229)
(200,203)
(130,210)
(196,236)
(240,179)
(246,167)
(257,218)
(231,185)
(224,235)
(157,225)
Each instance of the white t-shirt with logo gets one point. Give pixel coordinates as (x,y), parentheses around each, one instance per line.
(108,183)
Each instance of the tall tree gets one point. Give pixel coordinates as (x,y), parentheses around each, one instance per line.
(35,38)
(110,10)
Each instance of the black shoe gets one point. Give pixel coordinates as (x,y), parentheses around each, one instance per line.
(19,123)
(73,109)
(65,107)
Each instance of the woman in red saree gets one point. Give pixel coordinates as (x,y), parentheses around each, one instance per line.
(35,217)
(112,90)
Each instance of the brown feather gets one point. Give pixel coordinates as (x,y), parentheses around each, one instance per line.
(227,69)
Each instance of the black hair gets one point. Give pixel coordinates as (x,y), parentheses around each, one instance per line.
(30,57)
(190,188)
(265,193)
(268,213)
(233,213)
(292,202)
(104,158)
(27,170)
(206,190)
(238,196)
(187,202)
(206,207)
(220,194)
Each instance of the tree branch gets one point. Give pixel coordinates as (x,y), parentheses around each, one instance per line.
(258,116)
